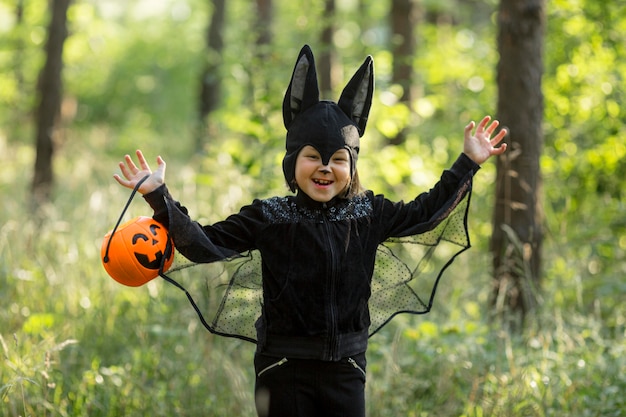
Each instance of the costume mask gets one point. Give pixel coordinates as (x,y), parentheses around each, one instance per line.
(323,124)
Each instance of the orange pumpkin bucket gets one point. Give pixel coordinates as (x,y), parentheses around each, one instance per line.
(133,253)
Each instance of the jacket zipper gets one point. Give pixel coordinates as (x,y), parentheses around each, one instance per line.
(332,340)
(356,366)
(272,366)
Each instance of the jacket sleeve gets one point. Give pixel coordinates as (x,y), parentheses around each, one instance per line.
(428,209)
(203,244)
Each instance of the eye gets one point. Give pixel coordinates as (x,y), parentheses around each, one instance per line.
(341,157)
(138,236)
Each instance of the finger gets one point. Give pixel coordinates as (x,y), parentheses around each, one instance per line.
(469,128)
(125,170)
(492,127)
(499,150)
(142,160)
(128,167)
(120,180)
(501,135)
(130,164)
(483,123)
(161,167)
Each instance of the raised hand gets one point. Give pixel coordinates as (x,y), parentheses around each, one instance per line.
(133,174)
(479,146)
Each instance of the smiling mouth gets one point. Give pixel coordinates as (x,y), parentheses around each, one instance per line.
(322,182)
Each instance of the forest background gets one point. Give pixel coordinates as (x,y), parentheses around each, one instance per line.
(75,343)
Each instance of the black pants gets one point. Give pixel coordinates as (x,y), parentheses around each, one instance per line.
(310,388)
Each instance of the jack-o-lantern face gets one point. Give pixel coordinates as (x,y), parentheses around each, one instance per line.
(146,248)
(136,251)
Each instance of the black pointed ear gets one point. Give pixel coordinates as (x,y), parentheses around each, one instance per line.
(303,91)
(356,98)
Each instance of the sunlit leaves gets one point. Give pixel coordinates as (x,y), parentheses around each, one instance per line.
(133,75)
(583,162)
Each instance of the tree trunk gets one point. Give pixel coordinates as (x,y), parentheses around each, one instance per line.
(211,79)
(517,220)
(264,25)
(19,46)
(403,46)
(49,88)
(327,59)
(259,81)
(21,110)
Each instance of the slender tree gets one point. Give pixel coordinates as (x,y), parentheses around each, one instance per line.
(517,219)
(210,79)
(403,45)
(327,58)
(263,21)
(49,90)
(19,46)
(20,111)
(263,25)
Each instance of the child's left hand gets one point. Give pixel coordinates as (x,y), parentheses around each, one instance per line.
(480,146)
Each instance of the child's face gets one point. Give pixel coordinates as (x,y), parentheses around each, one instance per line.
(322,182)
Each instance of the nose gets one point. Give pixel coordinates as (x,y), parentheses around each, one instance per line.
(324,169)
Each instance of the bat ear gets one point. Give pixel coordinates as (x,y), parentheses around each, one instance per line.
(356,98)
(303,91)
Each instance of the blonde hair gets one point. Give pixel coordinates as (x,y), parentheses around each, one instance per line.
(354,188)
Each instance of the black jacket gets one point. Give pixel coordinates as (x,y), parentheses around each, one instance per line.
(317,258)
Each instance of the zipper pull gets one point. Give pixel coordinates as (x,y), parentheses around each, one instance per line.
(356,366)
(272,366)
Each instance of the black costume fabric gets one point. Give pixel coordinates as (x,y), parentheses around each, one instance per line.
(405,274)
(331,274)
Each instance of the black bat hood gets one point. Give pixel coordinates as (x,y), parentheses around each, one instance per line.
(324,124)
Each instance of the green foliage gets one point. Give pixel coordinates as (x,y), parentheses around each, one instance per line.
(583,161)
(76,343)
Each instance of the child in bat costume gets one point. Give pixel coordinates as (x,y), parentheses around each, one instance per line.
(330,275)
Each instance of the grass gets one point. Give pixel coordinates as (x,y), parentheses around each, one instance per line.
(75,343)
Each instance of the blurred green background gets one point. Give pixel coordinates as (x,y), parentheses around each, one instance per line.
(76,343)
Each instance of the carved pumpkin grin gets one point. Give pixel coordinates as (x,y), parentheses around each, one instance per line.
(147,258)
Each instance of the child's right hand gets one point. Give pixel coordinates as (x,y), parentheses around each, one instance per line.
(480,146)
(132,174)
